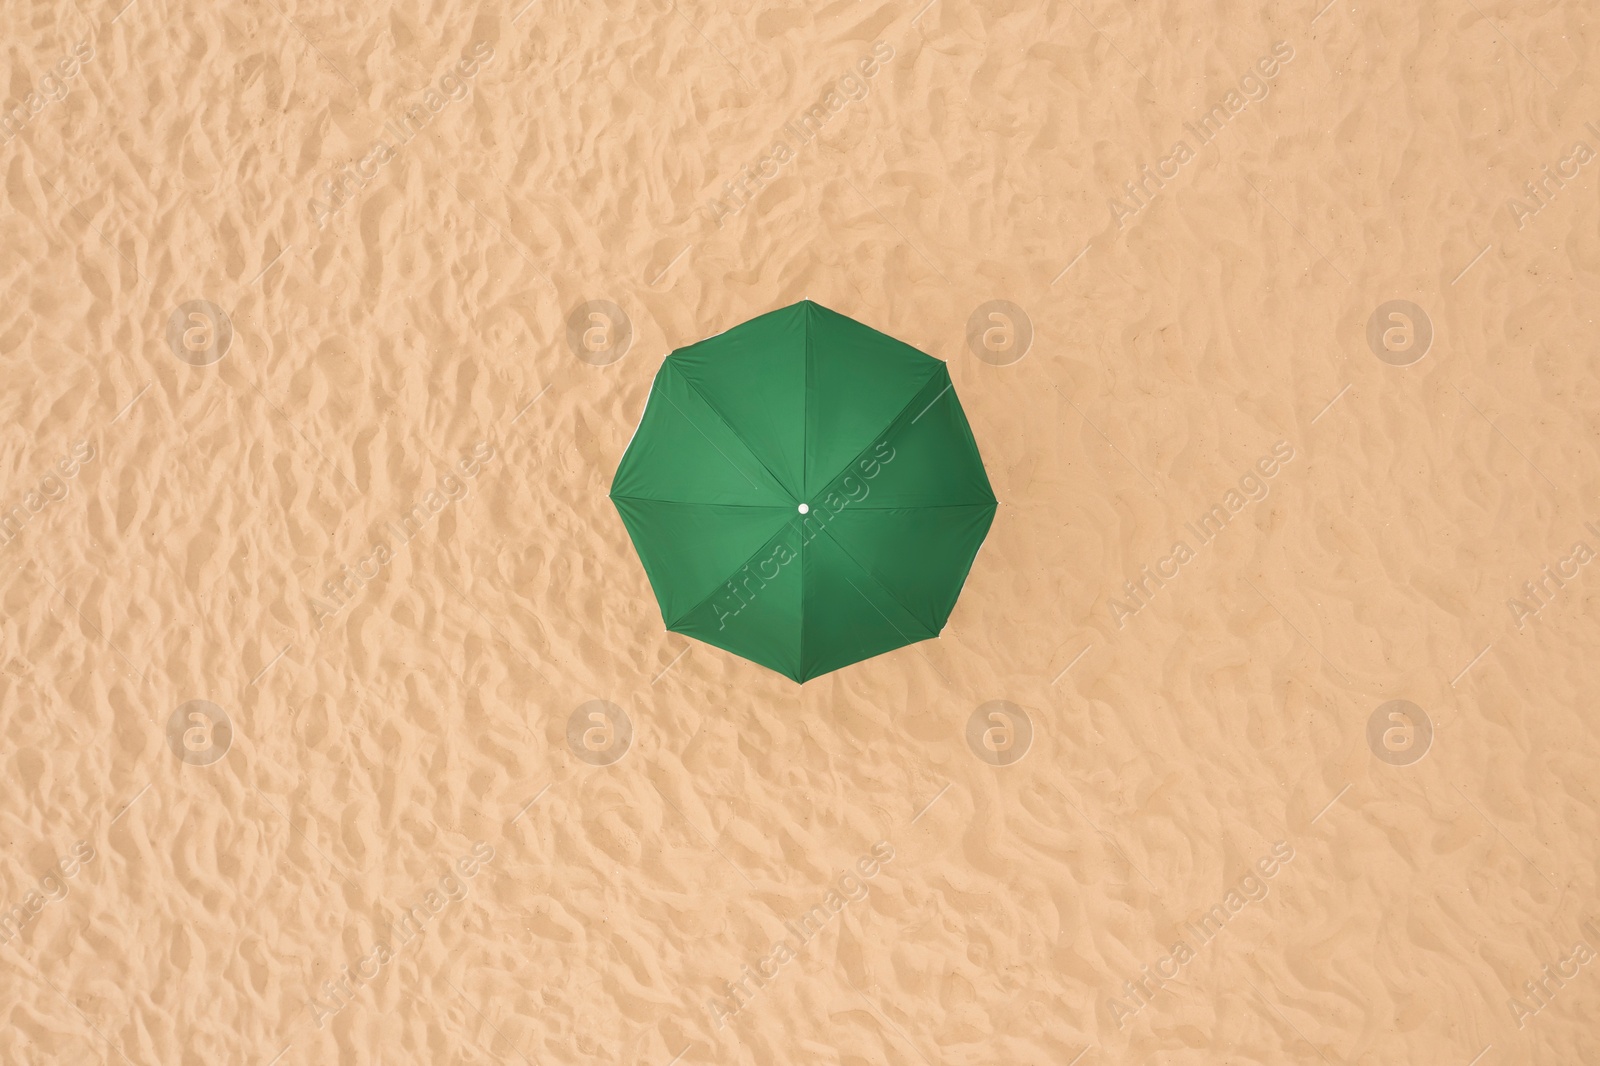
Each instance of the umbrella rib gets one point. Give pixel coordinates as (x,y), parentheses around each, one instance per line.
(802,560)
(894,424)
(729,425)
(908,641)
(709,441)
(990,503)
(882,587)
(788,521)
(805,422)
(778,507)
(805,467)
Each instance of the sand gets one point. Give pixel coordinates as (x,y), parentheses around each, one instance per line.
(338,722)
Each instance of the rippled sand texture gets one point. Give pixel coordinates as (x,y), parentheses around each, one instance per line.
(400,857)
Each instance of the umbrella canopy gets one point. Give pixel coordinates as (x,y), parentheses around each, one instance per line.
(804,491)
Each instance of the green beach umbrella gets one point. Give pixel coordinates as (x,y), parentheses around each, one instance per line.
(804,491)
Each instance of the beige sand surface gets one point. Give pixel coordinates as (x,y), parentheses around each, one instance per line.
(1202,808)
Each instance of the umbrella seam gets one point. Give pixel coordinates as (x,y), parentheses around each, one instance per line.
(723,646)
(707,598)
(784,508)
(729,426)
(908,641)
(881,587)
(707,436)
(924,506)
(805,465)
(992,508)
(805,402)
(890,426)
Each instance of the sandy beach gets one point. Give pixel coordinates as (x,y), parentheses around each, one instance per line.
(338,719)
